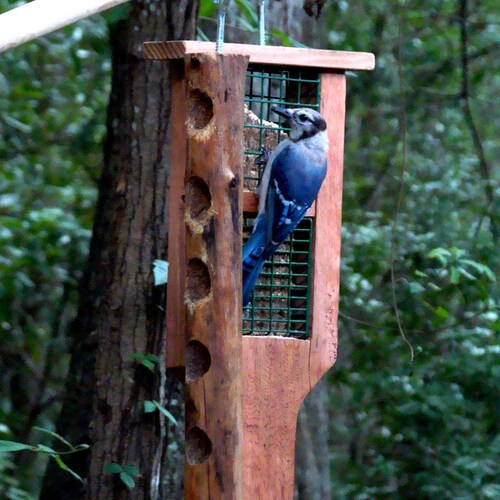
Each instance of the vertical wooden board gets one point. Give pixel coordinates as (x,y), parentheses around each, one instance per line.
(326,245)
(279,372)
(275,381)
(213,206)
(176,310)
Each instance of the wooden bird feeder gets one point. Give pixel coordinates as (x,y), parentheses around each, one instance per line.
(247,370)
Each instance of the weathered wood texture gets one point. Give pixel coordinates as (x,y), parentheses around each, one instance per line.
(215,87)
(176,309)
(279,372)
(284,56)
(326,244)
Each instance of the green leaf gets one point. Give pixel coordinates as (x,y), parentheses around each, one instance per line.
(165,412)
(421,274)
(160,271)
(13,446)
(285,39)
(132,470)
(481,268)
(113,468)
(147,360)
(416,287)
(81,447)
(442,312)
(458,252)
(454,275)
(57,436)
(136,356)
(440,254)
(207,8)
(149,365)
(127,480)
(149,406)
(64,467)
(45,449)
(465,273)
(248,11)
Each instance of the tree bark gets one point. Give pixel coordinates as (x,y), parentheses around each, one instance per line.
(312,457)
(120,311)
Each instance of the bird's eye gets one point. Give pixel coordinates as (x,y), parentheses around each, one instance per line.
(303,118)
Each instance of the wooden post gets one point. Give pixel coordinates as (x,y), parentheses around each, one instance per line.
(215,87)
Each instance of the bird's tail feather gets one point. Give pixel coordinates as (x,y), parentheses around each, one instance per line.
(255,254)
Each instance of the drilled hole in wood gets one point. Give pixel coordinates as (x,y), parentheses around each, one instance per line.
(198,446)
(201,109)
(198,198)
(198,282)
(198,360)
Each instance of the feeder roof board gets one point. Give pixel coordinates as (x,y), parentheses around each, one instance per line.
(280,56)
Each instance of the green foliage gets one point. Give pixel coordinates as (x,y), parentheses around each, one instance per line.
(427,430)
(53,94)
(147,360)
(152,406)
(125,473)
(12,446)
(9,484)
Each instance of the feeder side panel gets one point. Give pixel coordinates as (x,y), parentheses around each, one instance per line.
(176,309)
(275,381)
(326,244)
(213,199)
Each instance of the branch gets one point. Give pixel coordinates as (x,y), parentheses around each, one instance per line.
(403,125)
(469,119)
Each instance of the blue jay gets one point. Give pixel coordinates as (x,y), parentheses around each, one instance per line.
(289,185)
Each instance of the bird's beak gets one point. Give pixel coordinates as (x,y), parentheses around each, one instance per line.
(285,113)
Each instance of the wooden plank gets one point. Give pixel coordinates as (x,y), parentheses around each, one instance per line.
(39,17)
(250,202)
(176,309)
(326,250)
(213,193)
(275,381)
(281,56)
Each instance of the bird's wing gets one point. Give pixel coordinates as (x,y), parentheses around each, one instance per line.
(287,198)
(283,214)
(264,180)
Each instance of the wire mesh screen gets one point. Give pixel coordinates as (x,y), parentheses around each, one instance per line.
(281,300)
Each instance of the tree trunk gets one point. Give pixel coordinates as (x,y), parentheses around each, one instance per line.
(121,313)
(312,459)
